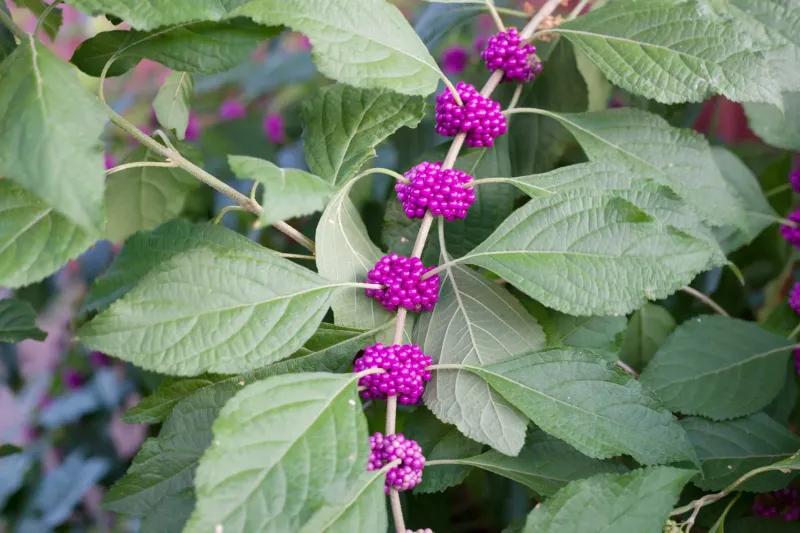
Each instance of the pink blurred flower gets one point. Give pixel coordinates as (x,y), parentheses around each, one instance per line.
(232,109)
(454,59)
(193,129)
(275,128)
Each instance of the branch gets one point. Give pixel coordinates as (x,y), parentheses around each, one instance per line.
(705,299)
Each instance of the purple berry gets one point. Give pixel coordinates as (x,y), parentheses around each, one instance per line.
(794,298)
(505,51)
(782,504)
(232,109)
(402,284)
(791,234)
(794,179)
(480,117)
(405,375)
(435,190)
(389,448)
(454,60)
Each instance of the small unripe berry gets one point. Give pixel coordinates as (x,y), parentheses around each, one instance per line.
(405,375)
(403,285)
(436,190)
(389,448)
(480,118)
(505,51)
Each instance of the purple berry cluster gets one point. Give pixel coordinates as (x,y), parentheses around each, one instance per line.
(794,179)
(791,234)
(794,297)
(437,190)
(480,117)
(783,504)
(405,375)
(389,448)
(403,285)
(506,51)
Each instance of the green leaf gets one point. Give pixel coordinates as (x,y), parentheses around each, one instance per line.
(173,101)
(366,44)
(357,508)
(205,47)
(676,158)
(288,192)
(18,322)
(776,127)
(7,41)
(601,334)
(343,125)
(672,52)
(718,367)
(647,331)
(9,449)
(216,309)
(49,134)
(578,397)
(165,465)
(315,425)
(728,450)
(476,322)
(637,502)
(544,465)
(345,253)
(759,214)
(439,442)
(170,516)
(159,13)
(35,240)
(142,198)
(53,21)
(591,253)
(719,525)
(330,349)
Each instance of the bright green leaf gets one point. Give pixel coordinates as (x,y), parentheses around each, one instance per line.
(35,240)
(647,331)
(344,124)
(776,127)
(590,404)
(637,502)
(213,309)
(205,47)
(142,198)
(18,322)
(728,450)
(264,436)
(591,253)
(476,322)
(356,508)
(545,464)
(49,134)
(173,101)
(672,52)
(718,367)
(53,21)
(159,13)
(287,192)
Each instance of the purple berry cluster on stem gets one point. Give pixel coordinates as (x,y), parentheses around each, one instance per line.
(794,179)
(405,375)
(437,190)
(794,297)
(403,285)
(506,51)
(389,448)
(782,504)
(480,117)
(792,234)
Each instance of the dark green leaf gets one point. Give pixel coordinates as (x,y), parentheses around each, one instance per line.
(9,449)
(7,42)
(170,516)
(18,322)
(647,330)
(173,101)
(718,367)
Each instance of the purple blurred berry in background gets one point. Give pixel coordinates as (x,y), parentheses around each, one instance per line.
(275,128)
(232,109)
(454,59)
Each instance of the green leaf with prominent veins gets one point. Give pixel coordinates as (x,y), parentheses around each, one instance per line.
(718,367)
(142,198)
(637,502)
(268,433)
(585,401)
(544,465)
(728,450)
(591,253)
(18,322)
(672,52)
(213,310)
(158,13)
(173,101)
(287,193)
(345,253)
(205,47)
(676,158)
(49,134)
(35,240)
(358,507)
(343,125)
(364,43)
(476,322)
(776,127)
(647,331)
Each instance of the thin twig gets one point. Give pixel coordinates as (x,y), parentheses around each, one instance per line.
(577,11)
(624,366)
(224,211)
(705,299)
(495,15)
(297,256)
(794,332)
(139,164)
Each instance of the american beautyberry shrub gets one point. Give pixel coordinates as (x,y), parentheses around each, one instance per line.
(442,192)
(390,448)
(791,233)
(402,284)
(405,372)
(506,51)
(480,118)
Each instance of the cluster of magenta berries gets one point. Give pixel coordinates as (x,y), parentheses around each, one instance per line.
(792,235)
(506,51)
(783,504)
(480,118)
(389,448)
(402,284)
(405,375)
(440,191)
